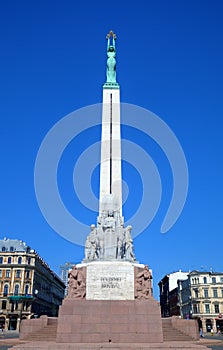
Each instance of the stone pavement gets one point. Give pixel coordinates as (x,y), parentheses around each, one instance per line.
(194,345)
(11,341)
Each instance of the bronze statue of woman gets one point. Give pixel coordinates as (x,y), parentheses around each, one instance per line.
(111,61)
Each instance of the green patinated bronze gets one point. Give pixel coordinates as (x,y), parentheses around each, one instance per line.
(111,82)
(21,297)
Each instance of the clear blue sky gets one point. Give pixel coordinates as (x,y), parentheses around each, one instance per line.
(169,61)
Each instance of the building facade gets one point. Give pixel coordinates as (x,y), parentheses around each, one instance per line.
(169,293)
(201,297)
(64,270)
(28,287)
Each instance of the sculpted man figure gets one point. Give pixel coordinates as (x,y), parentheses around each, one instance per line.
(76,285)
(143,284)
(92,248)
(128,244)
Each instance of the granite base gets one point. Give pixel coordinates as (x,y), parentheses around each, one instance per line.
(109,321)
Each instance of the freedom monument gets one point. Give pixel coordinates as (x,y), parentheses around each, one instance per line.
(110,302)
(110,293)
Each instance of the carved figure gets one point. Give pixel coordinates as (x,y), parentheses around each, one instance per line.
(92,248)
(76,285)
(128,244)
(119,249)
(143,284)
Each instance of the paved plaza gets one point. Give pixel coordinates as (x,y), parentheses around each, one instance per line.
(9,339)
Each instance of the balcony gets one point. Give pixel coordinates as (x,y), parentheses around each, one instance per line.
(21,297)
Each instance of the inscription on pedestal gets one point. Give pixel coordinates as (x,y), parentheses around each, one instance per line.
(110,281)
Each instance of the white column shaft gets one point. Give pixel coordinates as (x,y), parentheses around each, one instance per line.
(110,170)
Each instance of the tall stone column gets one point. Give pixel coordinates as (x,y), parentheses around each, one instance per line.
(110,167)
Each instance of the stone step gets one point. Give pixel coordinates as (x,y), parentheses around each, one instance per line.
(113,346)
(172,334)
(47,333)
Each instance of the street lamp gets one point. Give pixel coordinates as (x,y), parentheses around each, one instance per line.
(35,297)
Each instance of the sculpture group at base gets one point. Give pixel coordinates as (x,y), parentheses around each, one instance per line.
(109,240)
(77,283)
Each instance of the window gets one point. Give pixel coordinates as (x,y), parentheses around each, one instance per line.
(27,289)
(12,306)
(6,290)
(16,291)
(9,260)
(26,305)
(205,280)
(196,293)
(216,309)
(27,275)
(206,293)
(3,249)
(1,259)
(11,249)
(221,279)
(19,260)
(215,293)
(195,280)
(0,273)
(207,308)
(29,260)
(18,274)
(213,279)
(195,309)
(7,273)
(222,293)
(4,302)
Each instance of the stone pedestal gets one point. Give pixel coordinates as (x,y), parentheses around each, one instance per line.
(117,307)
(109,321)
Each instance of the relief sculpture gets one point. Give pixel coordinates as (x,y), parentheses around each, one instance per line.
(143,283)
(76,284)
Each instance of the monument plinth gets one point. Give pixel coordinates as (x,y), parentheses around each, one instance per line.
(110,293)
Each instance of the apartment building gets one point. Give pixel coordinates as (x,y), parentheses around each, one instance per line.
(28,287)
(201,297)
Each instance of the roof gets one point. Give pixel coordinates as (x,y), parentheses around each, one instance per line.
(196,272)
(11,245)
